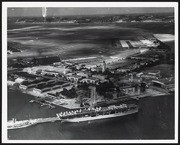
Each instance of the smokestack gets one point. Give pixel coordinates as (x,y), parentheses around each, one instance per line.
(44,12)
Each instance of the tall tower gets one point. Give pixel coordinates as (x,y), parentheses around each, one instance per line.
(44,13)
(93,95)
(104,66)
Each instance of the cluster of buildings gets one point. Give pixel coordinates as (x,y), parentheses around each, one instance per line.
(37,83)
(53,79)
(20,76)
(154,78)
(152,74)
(125,90)
(141,43)
(43,79)
(166,83)
(136,65)
(86,76)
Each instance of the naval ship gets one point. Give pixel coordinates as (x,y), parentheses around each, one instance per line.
(97,113)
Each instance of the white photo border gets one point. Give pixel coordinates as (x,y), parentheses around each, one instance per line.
(6,5)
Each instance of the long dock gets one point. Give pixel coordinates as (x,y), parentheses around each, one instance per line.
(12,124)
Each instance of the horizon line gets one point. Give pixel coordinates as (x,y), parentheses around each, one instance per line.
(97,14)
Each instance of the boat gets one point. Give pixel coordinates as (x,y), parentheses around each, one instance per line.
(98,113)
(31,101)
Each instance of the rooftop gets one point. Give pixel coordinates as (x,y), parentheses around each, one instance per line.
(165,81)
(35,81)
(42,86)
(25,75)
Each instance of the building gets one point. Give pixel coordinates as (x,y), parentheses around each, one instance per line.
(104,66)
(97,68)
(136,44)
(133,88)
(122,70)
(148,43)
(90,80)
(48,69)
(124,44)
(128,89)
(47,72)
(131,77)
(79,66)
(73,78)
(144,50)
(165,83)
(23,75)
(57,64)
(100,76)
(9,52)
(42,88)
(93,95)
(19,80)
(153,74)
(82,74)
(138,57)
(32,84)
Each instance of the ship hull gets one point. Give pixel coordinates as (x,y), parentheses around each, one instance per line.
(83,119)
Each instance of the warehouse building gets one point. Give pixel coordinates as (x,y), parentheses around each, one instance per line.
(165,83)
(153,74)
(31,84)
(124,44)
(49,87)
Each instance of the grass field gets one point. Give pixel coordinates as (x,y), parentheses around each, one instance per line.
(73,40)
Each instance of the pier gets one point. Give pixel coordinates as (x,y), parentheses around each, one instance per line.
(13,124)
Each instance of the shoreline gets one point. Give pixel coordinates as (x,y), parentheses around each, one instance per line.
(70,103)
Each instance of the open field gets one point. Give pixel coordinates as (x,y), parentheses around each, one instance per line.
(71,41)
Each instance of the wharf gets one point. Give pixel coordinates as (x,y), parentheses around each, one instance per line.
(73,104)
(25,123)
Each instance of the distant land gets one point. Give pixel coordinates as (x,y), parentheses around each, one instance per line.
(62,11)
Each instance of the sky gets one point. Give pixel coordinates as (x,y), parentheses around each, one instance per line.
(14,12)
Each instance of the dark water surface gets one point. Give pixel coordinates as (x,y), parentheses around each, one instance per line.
(154,121)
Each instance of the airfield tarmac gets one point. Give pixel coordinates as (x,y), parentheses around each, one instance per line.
(71,41)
